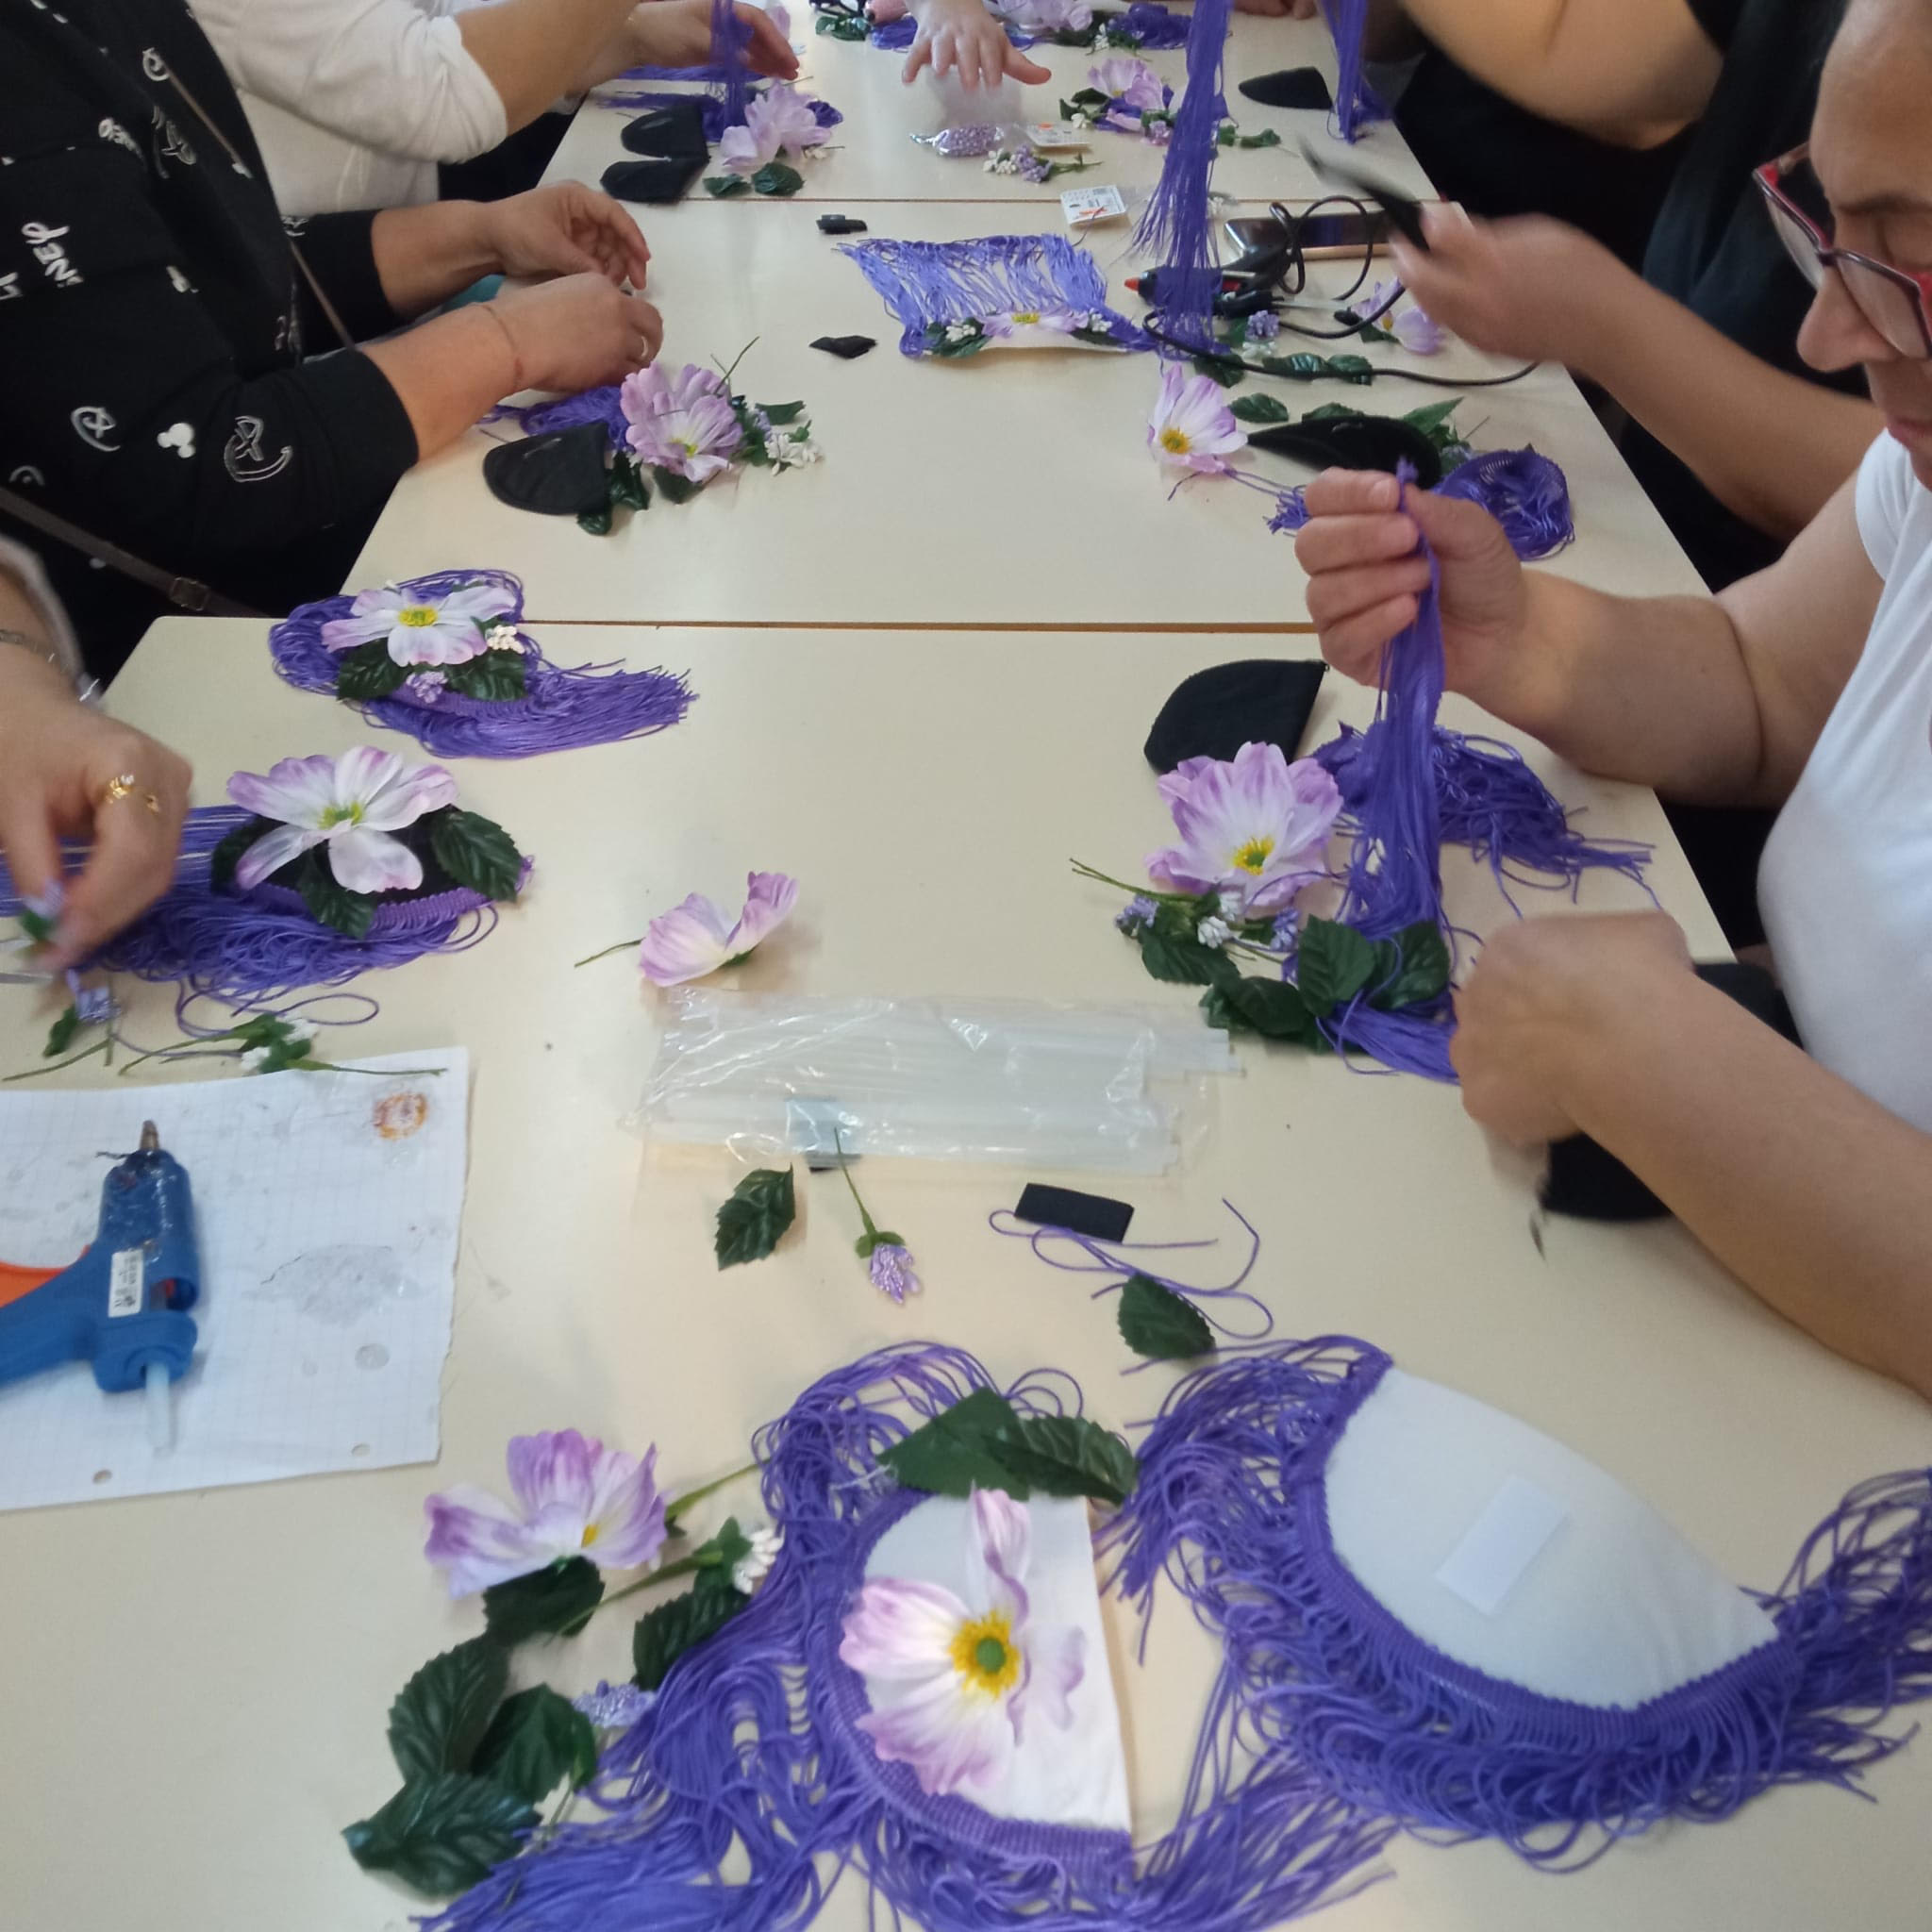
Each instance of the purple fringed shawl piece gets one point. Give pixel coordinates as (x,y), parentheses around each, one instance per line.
(751,1753)
(1176,226)
(929,283)
(1231,1509)
(249,948)
(591,703)
(1357,103)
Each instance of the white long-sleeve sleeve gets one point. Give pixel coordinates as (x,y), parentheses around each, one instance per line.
(355,101)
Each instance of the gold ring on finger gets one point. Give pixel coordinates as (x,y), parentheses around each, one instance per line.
(118,789)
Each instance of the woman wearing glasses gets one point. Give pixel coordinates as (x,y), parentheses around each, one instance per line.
(1806,687)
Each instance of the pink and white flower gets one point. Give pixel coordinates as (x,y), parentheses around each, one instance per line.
(777,122)
(574,1498)
(1191,427)
(350,804)
(1420,333)
(692,939)
(1129,83)
(1253,828)
(420,628)
(681,420)
(968,1672)
(1037,16)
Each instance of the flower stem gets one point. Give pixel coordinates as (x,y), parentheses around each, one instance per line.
(681,1504)
(307,1066)
(839,1143)
(622,946)
(72,1060)
(1087,871)
(685,1566)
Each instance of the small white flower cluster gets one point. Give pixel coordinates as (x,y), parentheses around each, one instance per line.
(502,637)
(1214,932)
(962,331)
(295,1040)
(783,453)
(749,1571)
(1003,161)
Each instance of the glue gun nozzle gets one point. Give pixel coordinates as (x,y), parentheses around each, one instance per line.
(150,1136)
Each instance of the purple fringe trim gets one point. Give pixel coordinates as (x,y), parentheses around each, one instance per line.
(1357,103)
(922,283)
(591,703)
(730,37)
(1154,26)
(750,1750)
(1231,1509)
(713,108)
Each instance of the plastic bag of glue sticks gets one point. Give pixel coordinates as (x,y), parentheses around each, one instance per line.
(1118,1090)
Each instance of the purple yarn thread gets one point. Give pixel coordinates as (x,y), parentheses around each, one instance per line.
(1357,103)
(923,283)
(730,38)
(750,1747)
(1153,26)
(1231,1509)
(560,710)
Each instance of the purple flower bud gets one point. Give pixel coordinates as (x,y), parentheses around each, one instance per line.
(890,1267)
(614,1707)
(1263,327)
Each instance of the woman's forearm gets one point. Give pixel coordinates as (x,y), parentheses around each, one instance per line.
(1771,447)
(535,50)
(426,255)
(448,371)
(1814,1196)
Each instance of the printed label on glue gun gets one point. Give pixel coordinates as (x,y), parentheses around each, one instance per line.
(125,1281)
(1086,207)
(1054,135)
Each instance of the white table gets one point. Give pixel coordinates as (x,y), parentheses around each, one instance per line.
(193,1686)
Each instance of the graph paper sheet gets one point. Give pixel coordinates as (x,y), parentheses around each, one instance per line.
(328,1208)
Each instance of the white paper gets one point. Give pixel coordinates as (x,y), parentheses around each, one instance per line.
(328,1208)
(1500,1544)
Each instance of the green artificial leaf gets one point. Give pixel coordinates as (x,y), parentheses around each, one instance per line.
(672,487)
(1369,332)
(475,852)
(844,26)
(494,676)
(1411,967)
(1352,369)
(1094,97)
(367,672)
(725,1551)
(329,901)
(1330,413)
(1267,137)
(1302,365)
(1432,416)
(442,1834)
(222,861)
(1069,1456)
(535,1741)
(779,414)
(957,1450)
(1271,1007)
(753,1222)
(1184,961)
(441,1714)
(775,178)
(60,1034)
(751,452)
(723,185)
(664,1635)
(36,926)
(628,489)
(597,523)
(1221,369)
(553,1602)
(1332,963)
(1258,408)
(1160,1325)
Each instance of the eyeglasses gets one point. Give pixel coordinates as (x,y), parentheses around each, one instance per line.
(1897,304)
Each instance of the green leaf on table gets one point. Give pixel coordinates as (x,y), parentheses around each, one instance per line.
(1161,1326)
(535,1741)
(597,523)
(1271,1007)
(1351,367)
(553,1602)
(1184,961)
(36,926)
(1221,368)
(753,1222)
(775,178)
(1432,416)
(724,1551)
(222,861)
(1332,963)
(664,1635)
(367,672)
(60,1034)
(1267,137)
(628,489)
(1069,1456)
(1259,408)
(779,414)
(844,26)
(672,487)
(1371,332)
(957,1450)
(476,851)
(723,185)
(441,1714)
(1411,967)
(494,676)
(331,902)
(442,1833)
(1330,412)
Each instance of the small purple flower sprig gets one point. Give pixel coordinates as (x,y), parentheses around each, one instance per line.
(1030,165)
(888,1259)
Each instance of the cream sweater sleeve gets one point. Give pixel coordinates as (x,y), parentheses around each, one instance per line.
(391,74)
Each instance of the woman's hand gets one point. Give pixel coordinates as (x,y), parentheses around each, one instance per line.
(1544,1000)
(1364,577)
(579,332)
(961,37)
(57,761)
(678,33)
(566,230)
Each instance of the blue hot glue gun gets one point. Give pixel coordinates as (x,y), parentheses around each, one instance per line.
(123,1305)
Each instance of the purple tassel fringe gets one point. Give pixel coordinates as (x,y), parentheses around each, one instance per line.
(730,37)
(1357,103)
(1230,1510)
(560,710)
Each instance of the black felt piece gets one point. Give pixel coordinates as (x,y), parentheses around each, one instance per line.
(659,179)
(1216,711)
(1354,443)
(562,473)
(846,347)
(1092,1215)
(676,130)
(1293,87)
(1584,1181)
(840,225)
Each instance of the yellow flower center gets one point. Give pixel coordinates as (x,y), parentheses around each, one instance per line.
(983,1655)
(416,616)
(1175,442)
(341,815)
(1253,857)
(1026,316)
(590,1536)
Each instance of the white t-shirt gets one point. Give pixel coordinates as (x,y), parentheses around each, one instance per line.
(355,101)
(1845,885)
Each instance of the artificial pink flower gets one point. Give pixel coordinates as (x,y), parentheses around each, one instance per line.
(1420,333)
(779,121)
(1192,427)
(1130,83)
(578,1499)
(350,804)
(420,628)
(1253,828)
(969,1672)
(681,420)
(692,939)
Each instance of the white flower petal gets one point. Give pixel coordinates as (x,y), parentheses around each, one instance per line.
(371,861)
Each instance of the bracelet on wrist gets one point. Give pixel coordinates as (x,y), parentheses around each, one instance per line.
(516,359)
